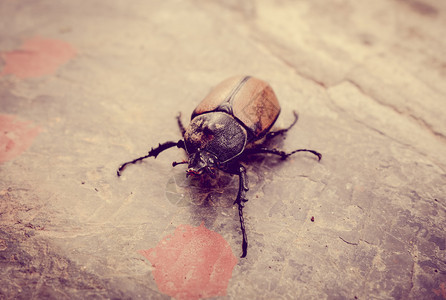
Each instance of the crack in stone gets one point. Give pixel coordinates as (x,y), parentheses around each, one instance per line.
(414,254)
(371,127)
(296,70)
(409,114)
(380,132)
(422,122)
(282,59)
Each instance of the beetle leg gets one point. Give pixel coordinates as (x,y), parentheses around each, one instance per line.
(241,199)
(180,124)
(273,134)
(280,153)
(153,152)
(175,163)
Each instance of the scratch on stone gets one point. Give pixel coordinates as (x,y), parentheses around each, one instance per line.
(286,62)
(347,242)
(367,242)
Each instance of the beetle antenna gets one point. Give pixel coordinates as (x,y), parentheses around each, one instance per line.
(174,164)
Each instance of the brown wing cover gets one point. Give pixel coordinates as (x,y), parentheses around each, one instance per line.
(251,100)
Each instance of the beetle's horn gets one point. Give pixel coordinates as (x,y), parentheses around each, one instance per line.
(211,172)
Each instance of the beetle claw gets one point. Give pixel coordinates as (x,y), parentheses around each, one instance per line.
(174,164)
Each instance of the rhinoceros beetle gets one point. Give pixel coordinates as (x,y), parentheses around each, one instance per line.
(230,123)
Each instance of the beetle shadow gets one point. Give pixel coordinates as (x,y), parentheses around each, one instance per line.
(221,191)
(207,198)
(204,196)
(262,162)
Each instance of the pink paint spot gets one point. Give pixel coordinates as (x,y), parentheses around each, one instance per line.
(193,263)
(37,57)
(15,137)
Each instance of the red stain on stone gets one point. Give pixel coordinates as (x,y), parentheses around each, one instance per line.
(37,57)
(15,136)
(193,263)
(441,291)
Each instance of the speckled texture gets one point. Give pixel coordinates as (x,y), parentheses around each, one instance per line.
(367,79)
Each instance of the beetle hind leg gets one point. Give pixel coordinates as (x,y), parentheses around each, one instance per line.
(282,154)
(273,134)
(319,155)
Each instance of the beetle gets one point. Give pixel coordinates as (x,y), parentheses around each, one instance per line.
(233,121)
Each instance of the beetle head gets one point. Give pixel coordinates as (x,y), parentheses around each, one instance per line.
(202,162)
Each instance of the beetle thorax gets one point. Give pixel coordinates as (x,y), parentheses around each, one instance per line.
(215,134)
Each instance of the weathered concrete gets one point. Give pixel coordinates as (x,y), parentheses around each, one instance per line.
(367,79)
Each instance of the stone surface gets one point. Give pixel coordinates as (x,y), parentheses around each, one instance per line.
(367,79)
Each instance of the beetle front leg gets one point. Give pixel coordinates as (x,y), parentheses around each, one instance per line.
(273,134)
(241,199)
(153,152)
